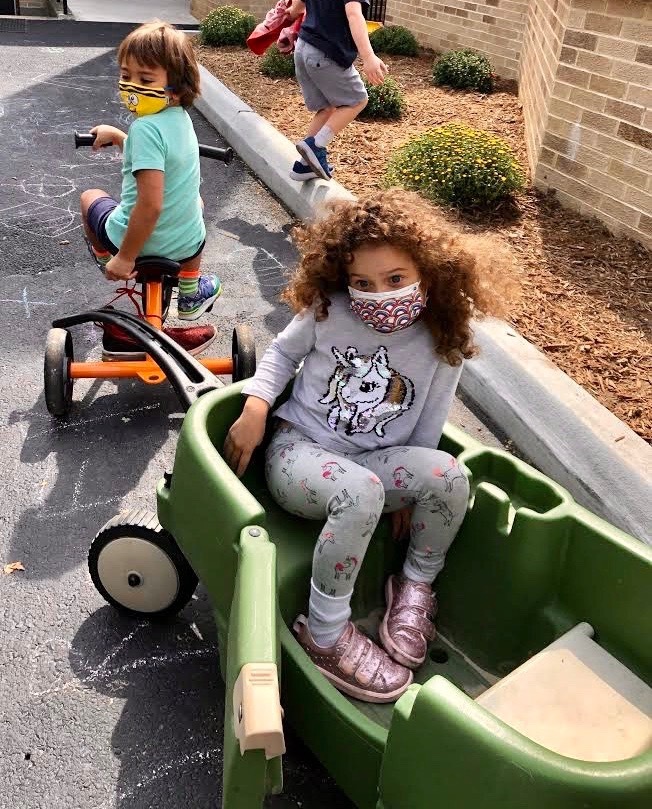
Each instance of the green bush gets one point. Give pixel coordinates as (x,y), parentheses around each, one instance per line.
(464,70)
(386,100)
(226,25)
(277,65)
(457,165)
(394,39)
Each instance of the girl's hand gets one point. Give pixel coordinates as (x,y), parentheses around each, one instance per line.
(375,69)
(107,136)
(120,269)
(246,434)
(401,523)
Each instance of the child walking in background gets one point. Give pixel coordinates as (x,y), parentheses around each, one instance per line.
(160,212)
(384,296)
(333,34)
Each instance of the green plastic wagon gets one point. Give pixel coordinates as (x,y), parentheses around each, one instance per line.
(535,694)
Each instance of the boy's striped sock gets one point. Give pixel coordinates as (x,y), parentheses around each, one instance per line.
(188,282)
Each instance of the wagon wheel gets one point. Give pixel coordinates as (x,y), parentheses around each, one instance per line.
(243,352)
(57,382)
(138,567)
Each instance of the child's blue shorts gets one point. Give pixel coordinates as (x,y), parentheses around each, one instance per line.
(99,211)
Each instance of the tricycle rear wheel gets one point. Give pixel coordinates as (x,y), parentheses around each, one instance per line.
(138,567)
(57,382)
(243,352)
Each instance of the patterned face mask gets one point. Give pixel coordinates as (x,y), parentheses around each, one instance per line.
(143,100)
(388,311)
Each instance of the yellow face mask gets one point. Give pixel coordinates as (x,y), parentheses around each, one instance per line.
(143,100)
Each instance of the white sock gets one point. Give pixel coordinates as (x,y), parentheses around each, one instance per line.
(324,137)
(327,616)
(303,161)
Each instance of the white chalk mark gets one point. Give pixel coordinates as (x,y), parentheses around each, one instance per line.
(163,771)
(78,483)
(76,425)
(47,514)
(26,303)
(195,629)
(39,219)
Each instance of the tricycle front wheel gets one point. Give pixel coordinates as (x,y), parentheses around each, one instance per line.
(57,382)
(243,352)
(138,567)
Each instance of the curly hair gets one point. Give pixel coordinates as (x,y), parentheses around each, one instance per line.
(465,276)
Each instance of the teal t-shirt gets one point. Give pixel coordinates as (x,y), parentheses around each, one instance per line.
(167,142)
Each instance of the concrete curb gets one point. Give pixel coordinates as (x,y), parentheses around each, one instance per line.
(568,434)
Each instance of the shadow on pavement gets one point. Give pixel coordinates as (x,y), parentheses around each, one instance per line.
(101,455)
(169,739)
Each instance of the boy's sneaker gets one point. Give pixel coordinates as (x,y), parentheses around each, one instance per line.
(192,307)
(315,156)
(117,345)
(301,172)
(100,258)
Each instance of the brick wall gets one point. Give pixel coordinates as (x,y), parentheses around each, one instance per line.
(200,8)
(590,126)
(542,44)
(494,27)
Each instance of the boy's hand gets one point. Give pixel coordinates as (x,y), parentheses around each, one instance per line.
(374,69)
(120,269)
(107,136)
(246,434)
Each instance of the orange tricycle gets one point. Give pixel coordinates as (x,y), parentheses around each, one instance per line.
(163,357)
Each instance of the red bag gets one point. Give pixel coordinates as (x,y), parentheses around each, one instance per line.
(267,32)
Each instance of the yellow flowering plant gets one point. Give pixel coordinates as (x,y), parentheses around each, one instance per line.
(456,165)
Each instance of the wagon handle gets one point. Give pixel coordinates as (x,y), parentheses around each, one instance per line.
(257,712)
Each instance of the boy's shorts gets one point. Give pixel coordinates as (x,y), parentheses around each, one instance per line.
(323,82)
(100,210)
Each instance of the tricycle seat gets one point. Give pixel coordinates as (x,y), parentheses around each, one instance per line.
(154,268)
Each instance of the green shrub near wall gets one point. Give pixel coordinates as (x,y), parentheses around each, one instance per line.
(395,40)
(226,25)
(277,65)
(457,165)
(386,100)
(464,70)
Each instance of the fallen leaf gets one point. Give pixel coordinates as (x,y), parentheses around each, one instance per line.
(12,567)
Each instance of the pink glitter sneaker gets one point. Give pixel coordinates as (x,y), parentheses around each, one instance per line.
(355,665)
(408,626)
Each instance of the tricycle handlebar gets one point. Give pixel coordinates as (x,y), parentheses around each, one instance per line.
(214,152)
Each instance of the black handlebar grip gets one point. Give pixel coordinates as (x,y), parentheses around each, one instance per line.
(225,155)
(83,139)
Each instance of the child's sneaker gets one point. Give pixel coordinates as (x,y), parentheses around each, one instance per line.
(315,156)
(192,307)
(407,626)
(101,258)
(118,345)
(301,172)
(355,665)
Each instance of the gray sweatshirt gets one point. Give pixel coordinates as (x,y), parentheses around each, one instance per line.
(357,389)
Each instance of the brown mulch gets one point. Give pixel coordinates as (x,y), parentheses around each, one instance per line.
(587,295)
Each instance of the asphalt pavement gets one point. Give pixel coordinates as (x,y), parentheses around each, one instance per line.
(97,711)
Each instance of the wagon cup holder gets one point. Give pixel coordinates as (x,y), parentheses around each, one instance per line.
(510,490)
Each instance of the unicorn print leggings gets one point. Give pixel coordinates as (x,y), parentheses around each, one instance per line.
(350,492)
